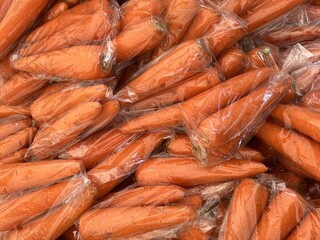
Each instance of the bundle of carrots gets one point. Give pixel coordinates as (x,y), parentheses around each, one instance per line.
(159,119)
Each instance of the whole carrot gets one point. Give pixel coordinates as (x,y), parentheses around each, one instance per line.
(10,35)
(59,219)
(162,118)
(301,119)
(79,62)
(50,106)
(145,196)
(238,7)
(232,62)
(96,147)
(54,136)
(17,141)
(178,17)
(55,11)
(140,38)
(16,157)
(6,71)
(263,56)
(201,23)
(136,220)
(180,145)
(20,88)
(23,208)
(109,173)
(240,221)
(193,58)
(198,108)
(285,211)
(13,125)
(159,170)
(22,176)
(180,91)
(134,11)
(300,153)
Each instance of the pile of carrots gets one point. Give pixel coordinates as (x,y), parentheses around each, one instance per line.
(160,119)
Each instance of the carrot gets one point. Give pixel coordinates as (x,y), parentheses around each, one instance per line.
(125,222)
(16,141)
(198,108)
(110,110)
(162,118)
(238,7)
(180,145)
(269,11)
(79,62)
(291,35)
(140,38)
(304,79)
(231,125)
(54,105)
(96,147)
(201,23)
(219,212)
(301,153)
(10,35)
(55,11)
(263,56)
(145,196)
(195,232)
(250,153)
(285,210)
(55,87)
(70,234)
(13,125)
(109,173)
(240,221)
(60,132)
(90,29)
(301,119)
(16,157)
(6,111)
(166,71)
(290,179)
(233,62)
(20,88)
(311,99)
(20,209)
(180,91)
(160,170)
(4,6)
(58,220)
(6,71)
(178,17)
(194,201)
(69,18)
(71,3)
(225,34)
(308,228)
(134,11)
(313,12)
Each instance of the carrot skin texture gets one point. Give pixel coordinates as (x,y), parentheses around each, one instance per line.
(17,157)
(14,125)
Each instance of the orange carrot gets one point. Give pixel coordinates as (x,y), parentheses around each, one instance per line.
(250,153)
(53,105)
(55,87)
(160,170)
(238,7)
(313,12)
(115,168)
(166,71)
(162,118)
(13,125)
(300,153)
(9,35)
(79,62)
(232,62)
(178,18)
(198,108)
(269,11)
(225,129)
(134,11)
(285,210)
(6,111)
(96,147)
(16,141)
(263,56)
(6,71)
(4,6)
(301,119)
(22,176)
(194,201)
(20,209)
(54,136)
(180,145)
(20,88)
(311,99)
(180,91)
(290,179)
(55,11)
(71,3)
(140,38)
(201,23)
(136,220)
(16,157)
